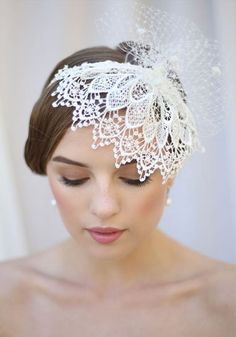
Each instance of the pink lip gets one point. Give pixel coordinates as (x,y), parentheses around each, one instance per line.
(105,229)
(105,235)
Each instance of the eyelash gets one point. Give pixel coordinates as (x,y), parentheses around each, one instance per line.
(78,182)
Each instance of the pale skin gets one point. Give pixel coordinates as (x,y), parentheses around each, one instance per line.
(143,284)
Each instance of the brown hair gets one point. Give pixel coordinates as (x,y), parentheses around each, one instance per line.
(47,126)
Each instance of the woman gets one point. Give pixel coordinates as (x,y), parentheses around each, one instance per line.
(118,274)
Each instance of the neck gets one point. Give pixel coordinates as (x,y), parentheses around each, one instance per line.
(152,262)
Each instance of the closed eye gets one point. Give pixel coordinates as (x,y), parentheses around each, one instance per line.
(136,182)
(77,182)
(73,182)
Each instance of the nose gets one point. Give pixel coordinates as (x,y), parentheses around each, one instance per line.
(104,203)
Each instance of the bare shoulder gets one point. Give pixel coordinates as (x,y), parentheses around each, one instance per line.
(23,277)
(13,295)
(22,283)
(220,294)
(9,276)
(214,282)
(217,279)
(223,280)
(20,277)
(23,272)
(13,279)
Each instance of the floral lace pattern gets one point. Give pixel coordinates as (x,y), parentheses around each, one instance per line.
(141,110)
(157,105)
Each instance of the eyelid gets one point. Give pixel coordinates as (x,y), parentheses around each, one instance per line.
(72,182)
(71,172)
(79,182)
(137,182)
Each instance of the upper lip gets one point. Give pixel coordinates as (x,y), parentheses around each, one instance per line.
(105,229)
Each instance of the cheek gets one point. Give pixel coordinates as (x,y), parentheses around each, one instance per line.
(64,197)
(71,211)
(151,204)
(57,191)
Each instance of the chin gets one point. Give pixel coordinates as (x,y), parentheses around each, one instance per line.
(117,250)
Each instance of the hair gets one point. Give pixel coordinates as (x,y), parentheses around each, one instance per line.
(47,128)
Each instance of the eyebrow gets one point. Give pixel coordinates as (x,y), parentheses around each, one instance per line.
(61,159)
(68,161)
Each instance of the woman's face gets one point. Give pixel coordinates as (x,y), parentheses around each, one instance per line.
(98,194)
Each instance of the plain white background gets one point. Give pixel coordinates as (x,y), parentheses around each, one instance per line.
(37,34)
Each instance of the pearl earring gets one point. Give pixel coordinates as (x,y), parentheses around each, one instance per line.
(53,202)
(168,199)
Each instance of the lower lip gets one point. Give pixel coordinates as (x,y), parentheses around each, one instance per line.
(105,237)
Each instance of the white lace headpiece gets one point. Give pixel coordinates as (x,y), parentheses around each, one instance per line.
(146,106)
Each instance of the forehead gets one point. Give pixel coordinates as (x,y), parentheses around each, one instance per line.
(76,145)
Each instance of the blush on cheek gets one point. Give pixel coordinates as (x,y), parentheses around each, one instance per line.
(65,206)
(152,203)
(59,194)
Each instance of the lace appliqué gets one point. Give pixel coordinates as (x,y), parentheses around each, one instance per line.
(140,110)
